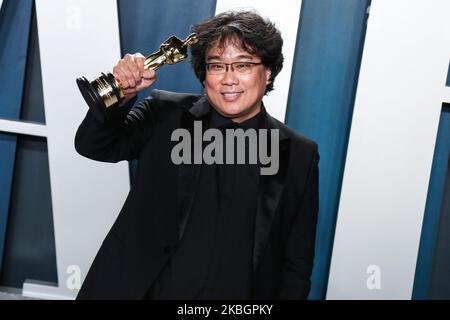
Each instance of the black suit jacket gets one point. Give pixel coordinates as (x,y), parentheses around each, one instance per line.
(157,208)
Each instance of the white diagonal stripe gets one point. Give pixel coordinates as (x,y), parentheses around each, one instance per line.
(447,95)
(19,127)
(76,38)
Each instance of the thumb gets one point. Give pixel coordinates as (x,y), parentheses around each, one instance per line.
(146,83)
(149,74)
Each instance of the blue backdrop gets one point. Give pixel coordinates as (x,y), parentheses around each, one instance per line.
(13,57)
(326,67)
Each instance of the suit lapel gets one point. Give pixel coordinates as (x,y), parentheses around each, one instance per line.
(188,174)
(270,192)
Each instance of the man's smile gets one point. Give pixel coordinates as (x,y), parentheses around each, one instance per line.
(231,96)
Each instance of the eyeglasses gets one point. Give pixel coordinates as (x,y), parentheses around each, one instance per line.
(239,67)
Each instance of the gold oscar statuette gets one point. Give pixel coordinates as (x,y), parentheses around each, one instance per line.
(105,92)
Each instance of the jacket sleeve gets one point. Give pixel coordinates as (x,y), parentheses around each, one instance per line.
(298,256)
(119,136)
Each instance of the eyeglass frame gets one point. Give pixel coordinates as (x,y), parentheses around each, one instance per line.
(229,66)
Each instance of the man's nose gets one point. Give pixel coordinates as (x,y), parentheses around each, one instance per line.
(229,77)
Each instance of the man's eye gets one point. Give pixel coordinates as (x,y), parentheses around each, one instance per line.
(216,67)
(242,66)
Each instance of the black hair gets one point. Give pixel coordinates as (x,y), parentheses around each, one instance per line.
(248,30)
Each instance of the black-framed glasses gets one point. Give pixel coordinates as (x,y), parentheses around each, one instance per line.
(239,67)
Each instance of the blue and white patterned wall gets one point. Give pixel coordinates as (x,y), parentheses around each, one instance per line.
(392,169)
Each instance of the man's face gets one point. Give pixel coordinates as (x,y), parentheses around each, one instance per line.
(235,95)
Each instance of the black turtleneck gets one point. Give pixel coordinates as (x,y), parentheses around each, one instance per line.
(214,258)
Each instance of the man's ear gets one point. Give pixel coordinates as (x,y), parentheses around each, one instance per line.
(268,74)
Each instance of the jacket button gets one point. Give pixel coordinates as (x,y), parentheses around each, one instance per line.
(166,249)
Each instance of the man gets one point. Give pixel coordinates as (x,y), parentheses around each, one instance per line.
(206,231)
